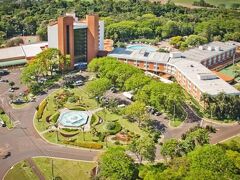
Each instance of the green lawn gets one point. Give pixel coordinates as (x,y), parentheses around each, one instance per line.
(228,3)
(21,171)
(108,116)
(229,71)
(66,169)
(7,120)
(175,123)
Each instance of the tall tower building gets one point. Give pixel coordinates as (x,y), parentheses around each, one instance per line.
(80,39)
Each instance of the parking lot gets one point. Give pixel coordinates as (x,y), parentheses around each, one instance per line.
(13,76)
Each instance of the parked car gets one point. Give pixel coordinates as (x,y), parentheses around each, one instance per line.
(157,113)
(3,72)
(11,90)
(7,155)
(78,83)
(3,80)
(15,88)
(113,89)
(2,123)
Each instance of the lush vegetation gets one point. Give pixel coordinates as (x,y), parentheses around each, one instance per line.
(42,71)
(222,106)
(164,97)
(191,158)
(125,20)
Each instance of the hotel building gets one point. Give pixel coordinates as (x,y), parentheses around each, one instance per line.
(82,40)
(191,69)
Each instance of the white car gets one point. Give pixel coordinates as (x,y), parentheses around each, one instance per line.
(78,83)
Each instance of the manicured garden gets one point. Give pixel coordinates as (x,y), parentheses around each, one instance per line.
(64,169)
(106,127)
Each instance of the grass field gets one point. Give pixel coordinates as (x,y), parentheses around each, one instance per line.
(65,169)
(230,71)
(228,3)
(21,171)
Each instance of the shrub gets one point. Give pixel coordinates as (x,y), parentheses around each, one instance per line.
(69,130)
(73,99)
(54,117)
(77,108)
(110,126)
(41,108)
(1,111)
(94,120)
(115,130)
(91,145)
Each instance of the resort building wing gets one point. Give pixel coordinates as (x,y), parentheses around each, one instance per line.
(191,69)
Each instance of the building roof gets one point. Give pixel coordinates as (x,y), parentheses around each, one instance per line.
(142,55)
(202,77)
(21,52)
(13,63)
(188,63)
(11,53)
(201,53)
(32,50)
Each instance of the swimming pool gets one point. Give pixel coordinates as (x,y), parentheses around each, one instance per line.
(148,48)
(73,119)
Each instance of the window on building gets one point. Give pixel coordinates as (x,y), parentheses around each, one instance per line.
(68,38)
(80,45)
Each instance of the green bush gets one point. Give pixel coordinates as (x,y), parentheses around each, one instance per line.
(69,130)
(110,126)
(94,120)
(114,129)
(1,111)
(90,145)
(73,99)
(41,108)
(54,117)
(77,108)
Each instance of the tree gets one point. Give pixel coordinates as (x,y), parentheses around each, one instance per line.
(213,159)
(143,148)
(11,83)
(171,148)
(176,41)
(137,112)
(115,164)
(195,40)
(98,86)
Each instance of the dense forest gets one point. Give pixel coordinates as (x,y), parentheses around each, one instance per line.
(125,20)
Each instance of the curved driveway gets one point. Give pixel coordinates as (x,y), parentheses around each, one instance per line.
(24,142)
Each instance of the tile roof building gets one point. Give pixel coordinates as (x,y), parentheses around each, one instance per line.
(191,69)
(20,54)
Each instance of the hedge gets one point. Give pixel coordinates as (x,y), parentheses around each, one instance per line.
(116,129)
(94,120)
(41,108)
(77,108)
(54,117)
(90,145)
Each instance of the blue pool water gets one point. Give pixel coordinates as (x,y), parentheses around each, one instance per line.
(141,46)
(73,118)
